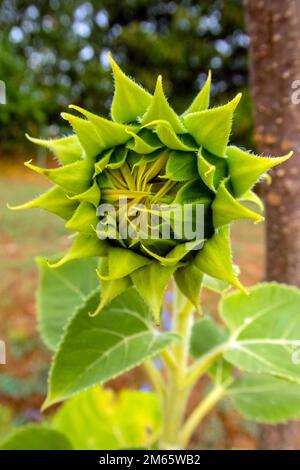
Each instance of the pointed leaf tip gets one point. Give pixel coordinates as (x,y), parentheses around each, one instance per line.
(130,100)
(160,109)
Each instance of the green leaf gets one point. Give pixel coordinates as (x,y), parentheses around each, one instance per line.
(84,219)
(84,246)
(61,291)
(94,350)
(36,437)
(245,168)
(189,280)
(211,169)
(215,258)
(201,102)
(206,335)
(211,128)
(215,285)
(115,420)
(55,201)
(265,399)
(160,109)
(91,195)
(226,208)
(151,282)
(110,133)
(144,143)
(87,135)
(265,330)
(110,288)
(122,262)
(75,177)
(130,100)
(171,140)
(67,149)
(181,166)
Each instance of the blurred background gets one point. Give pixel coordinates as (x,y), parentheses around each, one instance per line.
(53,53)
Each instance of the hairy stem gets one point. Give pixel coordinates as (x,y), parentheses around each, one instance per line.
(177,392)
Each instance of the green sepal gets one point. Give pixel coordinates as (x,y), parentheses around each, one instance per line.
(75,177)
(66,149)
(176,254)
(143,142)
(91,195)
(130,100)
(103,162)
(151,282)
(110,288)
(189,280)
(245,168)
(226,209)
(253,198)
(86,134)
(212,170)
(55,201)
(160,109)
(84,246)
(110,133)
(211,128)
(117,158)
(181,166)
(170,139)
(201,102)
(122,262)
(84,219)
(215,258)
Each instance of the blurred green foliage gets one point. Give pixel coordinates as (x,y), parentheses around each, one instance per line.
(53,53)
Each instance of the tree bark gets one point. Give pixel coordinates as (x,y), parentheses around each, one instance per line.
(274,30)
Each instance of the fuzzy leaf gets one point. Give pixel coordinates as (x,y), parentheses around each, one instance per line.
(206,335)
(86,134)
(201,102)
(160,109)
(211,169)
(84,246)
(143,142)
(61,291)
(211,128)
(215,258)
(151,282)
(125,419)
(94,350)
(171,140)
(265,330)
(110,133)
(54,201)
(75,177)
(181,166)
(36,437)
(91,195)
(265,399)
(122,262)
(226,208)
(245,168)
(188,280)
(130,100)
(67,149)
(84,219)
(110,288)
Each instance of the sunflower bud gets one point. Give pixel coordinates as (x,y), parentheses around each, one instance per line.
(119,179)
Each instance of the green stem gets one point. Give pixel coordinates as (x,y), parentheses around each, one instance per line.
(177,392)
(201,411)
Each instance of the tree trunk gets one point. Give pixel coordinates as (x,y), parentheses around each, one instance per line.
(274,30)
